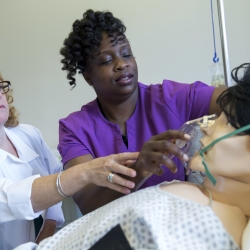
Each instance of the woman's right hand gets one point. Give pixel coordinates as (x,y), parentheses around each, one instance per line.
(156,152)
(98,170)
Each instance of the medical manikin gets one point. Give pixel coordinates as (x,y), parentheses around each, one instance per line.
(184,215)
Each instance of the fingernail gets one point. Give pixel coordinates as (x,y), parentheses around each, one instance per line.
(185,157)
(187,136)
(128,191)
(133,174)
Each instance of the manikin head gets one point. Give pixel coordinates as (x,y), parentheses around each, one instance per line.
(225,154)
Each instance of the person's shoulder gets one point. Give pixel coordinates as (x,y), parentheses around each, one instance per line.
(84,112)
(167,87)
(27,129)
(180,85)
(143,86)
(147,90)
(174,88)
(172,85)
(27,133)
(146,87)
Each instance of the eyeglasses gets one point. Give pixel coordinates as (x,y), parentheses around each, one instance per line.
(4,87)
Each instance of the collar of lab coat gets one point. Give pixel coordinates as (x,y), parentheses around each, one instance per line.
(25,153)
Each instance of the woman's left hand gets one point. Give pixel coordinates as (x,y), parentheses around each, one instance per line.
(99,169)
(158,151)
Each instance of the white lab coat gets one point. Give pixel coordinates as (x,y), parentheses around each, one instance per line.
(16,178)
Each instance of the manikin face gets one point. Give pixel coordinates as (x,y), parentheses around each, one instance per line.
(229,157)
(4,107)
(113,73)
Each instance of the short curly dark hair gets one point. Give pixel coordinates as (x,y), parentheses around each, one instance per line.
(235,100)
(85,38)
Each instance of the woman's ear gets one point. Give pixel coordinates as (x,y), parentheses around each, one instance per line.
(87,78)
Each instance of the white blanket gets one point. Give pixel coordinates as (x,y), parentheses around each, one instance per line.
(151,219)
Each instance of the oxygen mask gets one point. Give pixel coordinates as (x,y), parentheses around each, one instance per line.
(194,129)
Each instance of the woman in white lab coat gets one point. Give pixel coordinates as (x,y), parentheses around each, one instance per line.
(29,179)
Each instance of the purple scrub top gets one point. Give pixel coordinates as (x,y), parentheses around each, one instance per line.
(159,107)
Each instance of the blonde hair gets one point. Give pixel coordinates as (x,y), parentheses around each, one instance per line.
(13,120)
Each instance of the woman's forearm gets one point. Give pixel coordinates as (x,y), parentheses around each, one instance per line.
(45,192)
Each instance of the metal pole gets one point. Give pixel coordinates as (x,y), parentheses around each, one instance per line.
(223,35)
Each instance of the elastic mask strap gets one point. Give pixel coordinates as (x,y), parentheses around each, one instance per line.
(237,131)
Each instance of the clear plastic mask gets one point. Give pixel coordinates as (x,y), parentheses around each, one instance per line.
(193,128)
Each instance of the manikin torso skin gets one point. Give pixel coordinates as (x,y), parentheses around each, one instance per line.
(228,161)
(232,217)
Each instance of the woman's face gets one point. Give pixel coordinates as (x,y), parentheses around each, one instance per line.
(229,157)
(113,72)
(4,107)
